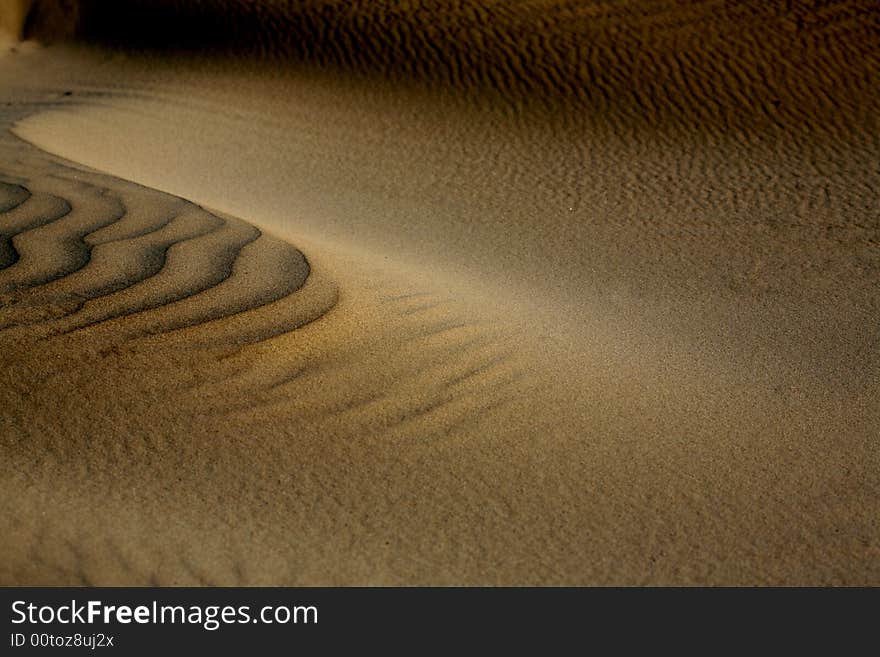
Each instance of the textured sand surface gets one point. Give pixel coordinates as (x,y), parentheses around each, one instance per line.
(535,292)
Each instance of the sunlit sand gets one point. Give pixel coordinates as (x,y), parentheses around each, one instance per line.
(439,293)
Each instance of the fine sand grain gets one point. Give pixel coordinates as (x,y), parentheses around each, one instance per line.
(468,292)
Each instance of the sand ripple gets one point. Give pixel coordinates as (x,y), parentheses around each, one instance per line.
(74,257)
(606,309)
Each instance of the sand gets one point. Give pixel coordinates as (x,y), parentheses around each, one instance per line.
(381,293)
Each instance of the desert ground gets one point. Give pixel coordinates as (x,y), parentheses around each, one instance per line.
(439,292)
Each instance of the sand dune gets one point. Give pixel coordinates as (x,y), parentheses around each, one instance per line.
(77,257)
(709,65)
(533,292)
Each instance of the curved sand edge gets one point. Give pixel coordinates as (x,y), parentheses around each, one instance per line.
(417,433)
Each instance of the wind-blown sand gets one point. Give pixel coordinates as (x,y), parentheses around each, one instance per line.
(440,293)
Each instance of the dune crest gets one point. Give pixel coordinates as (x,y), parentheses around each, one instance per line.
(75,256)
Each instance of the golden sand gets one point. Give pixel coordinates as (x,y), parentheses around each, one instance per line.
(440,293)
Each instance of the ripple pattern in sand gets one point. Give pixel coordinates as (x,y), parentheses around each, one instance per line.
(82,252)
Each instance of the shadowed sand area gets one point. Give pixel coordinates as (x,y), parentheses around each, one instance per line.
(535,292)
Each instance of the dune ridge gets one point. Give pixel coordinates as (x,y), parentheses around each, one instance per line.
(80,249)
